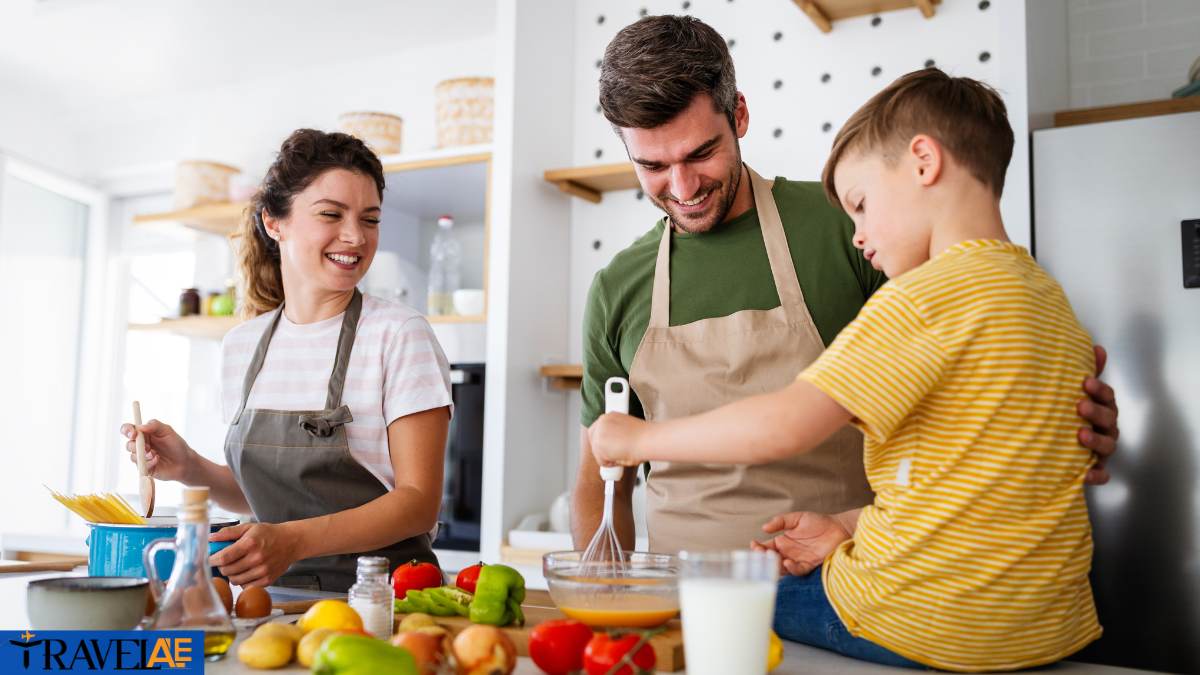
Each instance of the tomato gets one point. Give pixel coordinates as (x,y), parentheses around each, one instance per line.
(414,576)
(468,577)
(603,653)
(557,646)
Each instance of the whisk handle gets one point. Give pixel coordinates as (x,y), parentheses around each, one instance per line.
(608,473)
(616,395)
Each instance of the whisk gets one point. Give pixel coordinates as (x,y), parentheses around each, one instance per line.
(604,556)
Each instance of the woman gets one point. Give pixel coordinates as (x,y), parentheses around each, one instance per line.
(338,404)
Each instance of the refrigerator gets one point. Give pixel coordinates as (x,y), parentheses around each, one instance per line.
(1117,221)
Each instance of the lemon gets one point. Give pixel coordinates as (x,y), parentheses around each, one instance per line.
(334,614)
(774,652)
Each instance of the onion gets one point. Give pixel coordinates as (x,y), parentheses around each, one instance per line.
(484,650)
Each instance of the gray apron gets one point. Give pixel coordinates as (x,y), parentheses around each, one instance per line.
(296,464)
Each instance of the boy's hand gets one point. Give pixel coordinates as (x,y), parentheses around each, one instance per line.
(805,539)
(613,437)
(1099,409)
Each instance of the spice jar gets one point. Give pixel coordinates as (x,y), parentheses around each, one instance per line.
(189,302)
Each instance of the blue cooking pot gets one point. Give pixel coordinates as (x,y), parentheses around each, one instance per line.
(116,550)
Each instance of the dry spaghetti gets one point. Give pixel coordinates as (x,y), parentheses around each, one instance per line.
(107,508)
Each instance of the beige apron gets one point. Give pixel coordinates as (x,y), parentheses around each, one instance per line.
(685,370)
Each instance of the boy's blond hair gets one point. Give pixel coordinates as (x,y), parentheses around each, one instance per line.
(966,116)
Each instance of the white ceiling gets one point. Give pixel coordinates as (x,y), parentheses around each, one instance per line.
(76,56)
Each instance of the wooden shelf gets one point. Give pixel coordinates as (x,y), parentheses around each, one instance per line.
(590,182)
(458,318)
(563,376)
(824,12)
(205,327)
(222,219)
(1112,113)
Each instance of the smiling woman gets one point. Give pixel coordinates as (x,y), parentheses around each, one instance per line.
(337,403)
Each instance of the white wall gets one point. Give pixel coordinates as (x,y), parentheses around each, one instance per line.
(1130,50)
(800,107)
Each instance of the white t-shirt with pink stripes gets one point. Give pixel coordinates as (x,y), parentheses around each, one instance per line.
(397,368)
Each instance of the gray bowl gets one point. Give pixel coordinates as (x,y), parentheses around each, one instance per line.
(86,603)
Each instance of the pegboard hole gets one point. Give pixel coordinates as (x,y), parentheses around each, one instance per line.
(826,127)
(639,196)
(599,153)
(983,5)
(596,245)
(598,110)
(825,78)
(929,63)
(643,11)
(875,21)
(777,36)
(599,62)
(984,57)
(600,20)
(777,133)
(778,84)
(876,71)
(686,5)
(731,42)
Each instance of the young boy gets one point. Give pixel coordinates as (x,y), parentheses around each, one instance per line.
(961,372)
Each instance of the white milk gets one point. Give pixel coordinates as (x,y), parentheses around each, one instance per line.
(726,625)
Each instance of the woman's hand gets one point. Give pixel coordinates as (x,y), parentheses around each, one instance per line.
(168,456)
(261,554)
(1100,410)
(613,437)
(805,539)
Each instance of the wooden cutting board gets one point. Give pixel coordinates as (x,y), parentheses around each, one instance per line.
(667,645)
(40,565)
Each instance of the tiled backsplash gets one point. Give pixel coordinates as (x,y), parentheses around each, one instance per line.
(1123,51)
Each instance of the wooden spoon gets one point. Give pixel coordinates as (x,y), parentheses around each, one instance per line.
(145,482)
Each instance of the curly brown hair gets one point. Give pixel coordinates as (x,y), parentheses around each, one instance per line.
(305,155)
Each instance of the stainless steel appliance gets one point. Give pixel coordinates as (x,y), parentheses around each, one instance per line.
(1111,201)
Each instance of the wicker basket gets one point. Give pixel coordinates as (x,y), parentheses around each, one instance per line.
(382,132)
(464,111)
(199,182)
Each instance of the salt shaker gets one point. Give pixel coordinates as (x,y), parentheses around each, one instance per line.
(371,596)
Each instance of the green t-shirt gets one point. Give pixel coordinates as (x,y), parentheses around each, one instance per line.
(721,272)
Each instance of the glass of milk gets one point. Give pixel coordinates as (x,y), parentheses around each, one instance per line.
(727,599)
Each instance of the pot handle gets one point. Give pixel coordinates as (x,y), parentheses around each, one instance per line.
(148,554)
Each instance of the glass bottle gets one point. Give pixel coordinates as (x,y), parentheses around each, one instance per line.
(445,256)
(189,601)
(371,596)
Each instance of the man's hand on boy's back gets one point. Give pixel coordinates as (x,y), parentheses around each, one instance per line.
(803,540)
(1099,409)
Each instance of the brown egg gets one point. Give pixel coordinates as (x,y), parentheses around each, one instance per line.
(253,603)
(225,592)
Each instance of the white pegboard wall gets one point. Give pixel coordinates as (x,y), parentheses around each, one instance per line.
(800,86)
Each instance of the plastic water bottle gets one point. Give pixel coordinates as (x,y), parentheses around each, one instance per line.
(445,255)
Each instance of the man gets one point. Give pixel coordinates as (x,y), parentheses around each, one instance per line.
(722,299)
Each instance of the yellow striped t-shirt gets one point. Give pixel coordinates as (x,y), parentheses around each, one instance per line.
(963,375)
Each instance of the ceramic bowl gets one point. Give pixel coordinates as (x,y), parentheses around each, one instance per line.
(86,603)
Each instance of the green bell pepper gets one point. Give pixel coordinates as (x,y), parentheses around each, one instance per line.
(361,655)
(498,596)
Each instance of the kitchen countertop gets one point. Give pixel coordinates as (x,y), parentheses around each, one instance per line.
(798,659)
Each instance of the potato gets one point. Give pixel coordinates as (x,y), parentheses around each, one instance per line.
(266,652)
(306,651)
(287,630)
(415,621)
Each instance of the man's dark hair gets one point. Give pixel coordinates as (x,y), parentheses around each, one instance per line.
(653,69)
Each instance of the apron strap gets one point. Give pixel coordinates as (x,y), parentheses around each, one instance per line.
(337,379)
(256,362)
(660,299)
(783,269)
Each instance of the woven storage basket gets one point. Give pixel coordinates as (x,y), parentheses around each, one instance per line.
(464,111)
(199,182)
(381,131)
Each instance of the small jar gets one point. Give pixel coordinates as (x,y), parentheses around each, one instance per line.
(206,309)
(189,302)
(372,596)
